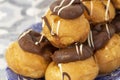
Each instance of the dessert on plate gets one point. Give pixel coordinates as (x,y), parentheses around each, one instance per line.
(77,40)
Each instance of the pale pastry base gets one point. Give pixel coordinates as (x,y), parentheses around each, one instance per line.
(25,63)
(79,70)
(108,58)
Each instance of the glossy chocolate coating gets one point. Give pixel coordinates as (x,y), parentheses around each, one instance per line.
(70,54)
(67,75)
(74,10)
(27,43)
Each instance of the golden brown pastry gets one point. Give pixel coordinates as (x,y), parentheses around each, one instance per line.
(65,31)
(25,63)
(116,3)
(108,58)
(79,70)
(99,10)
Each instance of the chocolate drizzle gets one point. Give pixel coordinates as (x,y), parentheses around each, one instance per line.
(63,74)
(91,9)
(67,9)
(49,26)
(90,39)
(47,23)
(67,75)
(71,54)
(86,9)
(108,30)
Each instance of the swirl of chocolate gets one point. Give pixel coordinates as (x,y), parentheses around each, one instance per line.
(67,75)
(67,9)
(70,54)
(101,36)
(27,42)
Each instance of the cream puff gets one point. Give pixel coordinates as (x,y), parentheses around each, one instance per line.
(78,70)
(98,11)
(108,57)
(30,55)
(65,23)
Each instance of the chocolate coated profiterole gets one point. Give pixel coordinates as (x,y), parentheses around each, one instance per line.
(35,43)
(28,39)
(58,30)
(67,9)
(73,53)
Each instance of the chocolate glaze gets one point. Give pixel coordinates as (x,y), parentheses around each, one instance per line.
(73,11)
(70,54)
(49,26)
(86,9)
(27,43)
(47,23)
(66,74)
(101,36)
